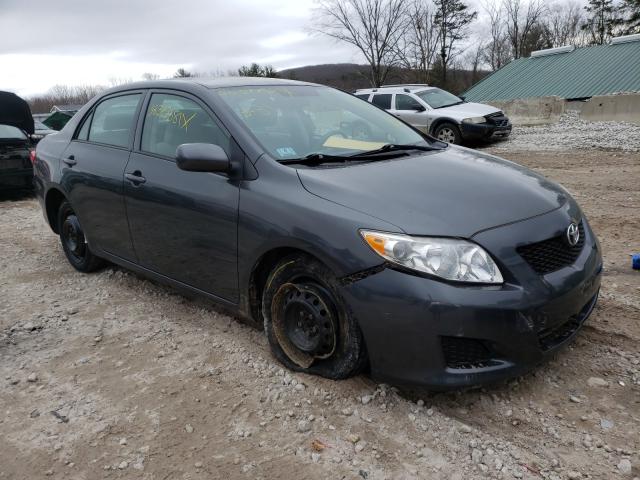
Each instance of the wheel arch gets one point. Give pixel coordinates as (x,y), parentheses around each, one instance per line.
(260,271)
(436,123)
(53,200)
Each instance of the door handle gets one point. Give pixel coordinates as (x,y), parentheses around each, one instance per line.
(135,177)
(70,160)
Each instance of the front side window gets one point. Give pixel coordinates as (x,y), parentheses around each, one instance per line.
(113,120)
(292,121)
(83,134)
(405,102)
(437,98)
(382,100)
(363,96)
(172,120)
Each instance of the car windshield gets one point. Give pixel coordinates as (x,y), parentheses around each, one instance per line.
(437,98)
(10,132)
(294,121)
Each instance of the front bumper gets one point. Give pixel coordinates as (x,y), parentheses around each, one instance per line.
(422,331)
(484,131)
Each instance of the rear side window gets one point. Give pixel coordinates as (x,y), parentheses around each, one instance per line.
(363,96)
(382,100)
(172,120)
(405,102)
(112,122)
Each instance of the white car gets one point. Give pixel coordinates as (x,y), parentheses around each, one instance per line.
(439,113)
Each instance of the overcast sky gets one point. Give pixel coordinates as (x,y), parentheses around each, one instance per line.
(90,42)
(76,42)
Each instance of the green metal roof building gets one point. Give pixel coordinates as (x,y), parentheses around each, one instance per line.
(566,72)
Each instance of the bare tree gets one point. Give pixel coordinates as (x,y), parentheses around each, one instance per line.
(417,50)
(632,19)
(521,19)
(452,17)
(562,24)
(182,73)
(372,26)
(497,51)
(150,76)
(63,95)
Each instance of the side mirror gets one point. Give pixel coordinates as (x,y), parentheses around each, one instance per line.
(419,108)
(202,157)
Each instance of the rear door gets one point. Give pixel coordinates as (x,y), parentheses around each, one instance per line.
(183,224)
(411,111)
(93,168)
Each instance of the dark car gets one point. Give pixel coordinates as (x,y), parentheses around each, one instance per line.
(16,171)
(16,124)
(355,240)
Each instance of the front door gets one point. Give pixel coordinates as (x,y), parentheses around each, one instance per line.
(411,111)
(92,172)
(183,224)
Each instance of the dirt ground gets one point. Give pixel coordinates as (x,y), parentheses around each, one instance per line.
(111,376)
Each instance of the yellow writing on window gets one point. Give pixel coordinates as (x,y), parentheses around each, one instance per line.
(175,117)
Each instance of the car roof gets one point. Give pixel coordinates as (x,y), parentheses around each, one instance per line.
(210,83)
(409,88)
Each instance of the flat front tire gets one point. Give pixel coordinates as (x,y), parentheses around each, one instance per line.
(308,325)
(74,243)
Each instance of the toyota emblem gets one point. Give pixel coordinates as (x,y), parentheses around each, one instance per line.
(573,234)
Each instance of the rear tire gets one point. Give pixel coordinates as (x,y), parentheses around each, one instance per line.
(74,244)
(448,132)
(308,325)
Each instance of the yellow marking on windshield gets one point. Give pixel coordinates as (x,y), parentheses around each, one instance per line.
(336,141)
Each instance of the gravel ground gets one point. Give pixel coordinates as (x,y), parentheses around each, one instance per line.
(111,376)
(572,133)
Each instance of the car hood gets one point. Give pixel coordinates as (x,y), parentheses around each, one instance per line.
(15,111)
(466,110)
(452,192)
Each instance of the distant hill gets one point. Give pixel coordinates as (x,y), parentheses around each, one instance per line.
(350,76)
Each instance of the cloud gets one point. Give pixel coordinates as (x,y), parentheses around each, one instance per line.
(43,43)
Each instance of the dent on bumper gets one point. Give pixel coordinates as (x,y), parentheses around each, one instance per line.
(405,319)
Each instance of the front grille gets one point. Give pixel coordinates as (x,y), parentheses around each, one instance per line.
(498,119)
(462,353)
(552,337)
(553,254)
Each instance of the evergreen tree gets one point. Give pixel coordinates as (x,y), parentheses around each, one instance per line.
(602,19)
(452,18)
(632,20)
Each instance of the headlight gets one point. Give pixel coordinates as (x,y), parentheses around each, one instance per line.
(474,120)
(448,258)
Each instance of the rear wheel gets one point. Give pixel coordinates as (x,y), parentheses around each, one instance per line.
(448,132)
(73,241)
(308,326)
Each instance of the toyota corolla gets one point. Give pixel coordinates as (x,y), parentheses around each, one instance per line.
(356,241)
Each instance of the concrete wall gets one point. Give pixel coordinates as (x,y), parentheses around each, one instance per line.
(541,110)
(615,108)
(532,111)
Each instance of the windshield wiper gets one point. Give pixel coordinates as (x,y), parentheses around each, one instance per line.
(314,159)
(392,147)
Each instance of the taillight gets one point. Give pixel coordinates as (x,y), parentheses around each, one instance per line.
(32,156)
